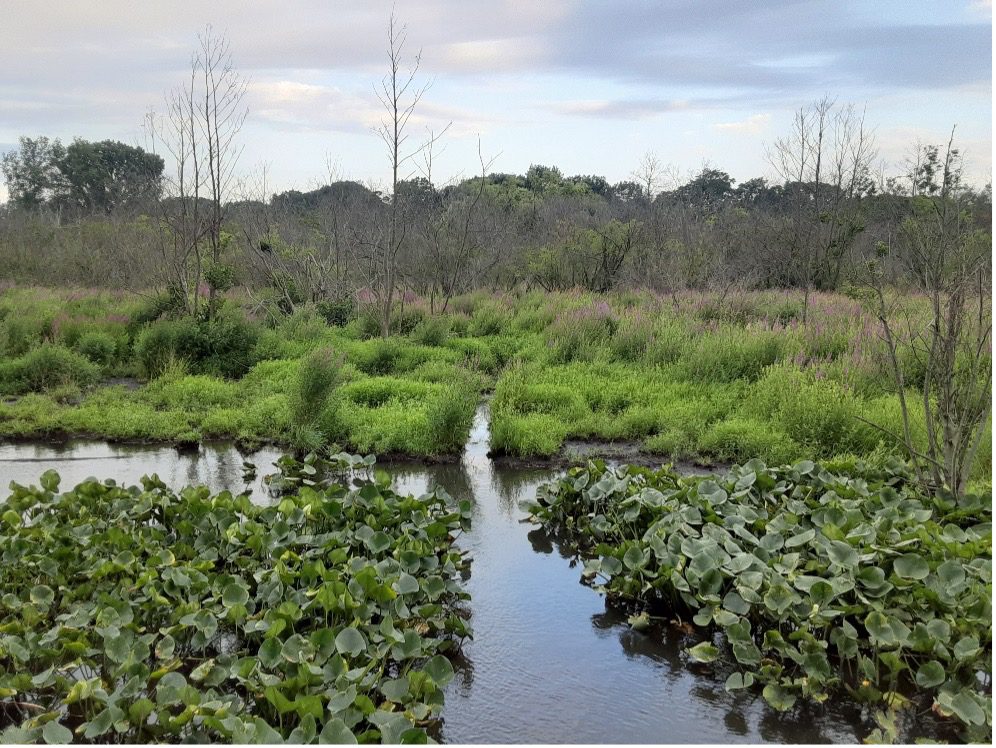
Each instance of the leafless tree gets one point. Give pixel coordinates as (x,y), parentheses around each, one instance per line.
(825,163)
(399,94)
(951,261)
(198,131)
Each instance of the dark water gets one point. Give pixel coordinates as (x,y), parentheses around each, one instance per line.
(549,662)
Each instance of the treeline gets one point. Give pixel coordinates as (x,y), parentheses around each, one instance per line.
(109,214)
(91,213)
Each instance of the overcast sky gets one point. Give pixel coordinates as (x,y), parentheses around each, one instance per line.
(586,86)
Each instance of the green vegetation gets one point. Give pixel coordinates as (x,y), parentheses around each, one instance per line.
(139,614)
(818,578)
(689,377)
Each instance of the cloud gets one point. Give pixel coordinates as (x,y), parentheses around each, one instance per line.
(754,124)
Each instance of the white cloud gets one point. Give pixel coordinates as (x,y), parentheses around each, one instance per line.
(752,125)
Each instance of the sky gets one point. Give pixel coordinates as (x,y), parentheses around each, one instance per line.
(587,86)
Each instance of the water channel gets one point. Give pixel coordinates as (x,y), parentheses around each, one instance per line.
(549,663)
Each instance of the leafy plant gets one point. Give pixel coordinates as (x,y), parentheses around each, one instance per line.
(138,614)
(820,581)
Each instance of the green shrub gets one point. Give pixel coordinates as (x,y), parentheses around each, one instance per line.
(337,312)
(99,347)
(668,344)
(223,346)
(580,334)
(316,379)
(165,341)
(448,418)
(47,367)
(230,343)
(632,337)
(378,356)
(489,318)
(432,331)
(817,413)
(674,443)
(368,321)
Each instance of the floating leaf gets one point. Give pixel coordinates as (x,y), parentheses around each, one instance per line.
(704,652)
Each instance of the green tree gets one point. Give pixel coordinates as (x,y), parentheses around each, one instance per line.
(106,176)
(30,171)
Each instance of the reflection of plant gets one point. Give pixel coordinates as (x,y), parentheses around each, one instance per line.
(142,615)
(819,580)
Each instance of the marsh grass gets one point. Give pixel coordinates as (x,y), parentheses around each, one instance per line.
(696,375)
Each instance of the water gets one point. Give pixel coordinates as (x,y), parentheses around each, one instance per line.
(549,662)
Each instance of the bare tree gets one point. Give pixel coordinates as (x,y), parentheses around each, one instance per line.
(951,261)
(825,164)
(198,132)
(399,94)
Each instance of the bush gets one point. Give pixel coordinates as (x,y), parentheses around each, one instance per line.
(165,341)
(449,416)
(632,337)
(47,367)
(432,331)
(489,318)
(816,413)
(315,381)
(230,343)
(338,312)
(527,435)
(378,357)
(99,347)
(224,346)
(578,335)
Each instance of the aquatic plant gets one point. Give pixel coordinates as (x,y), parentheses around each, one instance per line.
(819,579)
(139,614)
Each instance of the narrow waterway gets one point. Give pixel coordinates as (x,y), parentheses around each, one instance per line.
(549,662)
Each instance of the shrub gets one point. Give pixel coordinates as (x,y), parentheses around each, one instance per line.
(489,318)
(223,346)
(229,347)
(527,435)
(817,413)
(449,416)
(632,337)
(432,331)
(165,341)
(337,312)
(668,344)
(99,347)
(47,367)
(315,381)
(368,321)
(378,356)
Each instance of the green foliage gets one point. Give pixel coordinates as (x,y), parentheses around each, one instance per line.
(732,353)
(186,617)
(99,347)
(432,331)
(811,576)
(740,439)
(222,346)
(47,367)
(317,377)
